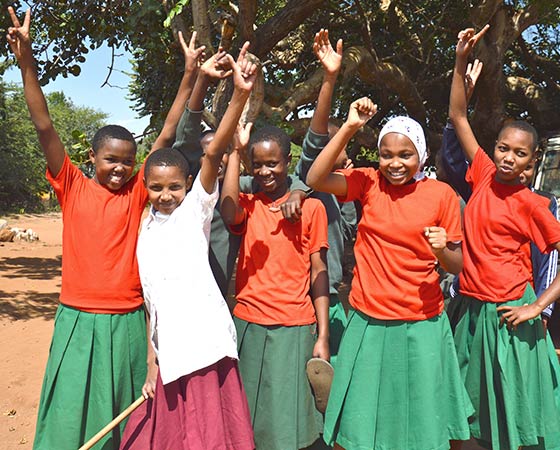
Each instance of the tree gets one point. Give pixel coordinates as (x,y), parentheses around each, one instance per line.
(399,52)
(22,164)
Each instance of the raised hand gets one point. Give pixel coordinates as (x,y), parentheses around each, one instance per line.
(244,70)
(471,76)
(217,66)
(467,41)
(18,35)
(194,56)
(361,111)
(241,137)
(331,60)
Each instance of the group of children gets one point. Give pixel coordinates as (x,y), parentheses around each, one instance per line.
(403,379)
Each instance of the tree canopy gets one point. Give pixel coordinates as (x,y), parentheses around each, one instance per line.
(398,52)
(22,164)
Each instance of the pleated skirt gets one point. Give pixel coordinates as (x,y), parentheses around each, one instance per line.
(272,361)
(510,376)
(96,368)
(205,410)
(397,386)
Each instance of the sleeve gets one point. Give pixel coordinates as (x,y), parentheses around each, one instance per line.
(450,215)
(187,140)
(318,227)
(312,145)
(359,182)
(454,163)
(203,201)
(543,228)
(480,168)
(247,185)
(545,265)
(65,179)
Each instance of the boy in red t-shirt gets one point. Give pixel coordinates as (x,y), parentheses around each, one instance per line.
(97,359)
(282,295)
(506,370)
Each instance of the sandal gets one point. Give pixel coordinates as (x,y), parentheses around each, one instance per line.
(320,375)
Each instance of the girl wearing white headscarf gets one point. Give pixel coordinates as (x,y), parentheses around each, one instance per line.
(397,382)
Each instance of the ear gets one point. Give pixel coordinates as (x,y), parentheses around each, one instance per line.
(189,182)
(289,159)
(91,156)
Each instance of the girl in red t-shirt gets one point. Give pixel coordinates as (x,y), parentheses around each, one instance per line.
(397,383)
(506,369)
(282,295)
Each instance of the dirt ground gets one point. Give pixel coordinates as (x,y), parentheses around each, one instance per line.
(29,287)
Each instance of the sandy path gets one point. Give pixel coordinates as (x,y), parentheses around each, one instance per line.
(29,286)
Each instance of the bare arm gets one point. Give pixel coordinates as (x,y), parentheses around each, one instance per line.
(192,58)
(149,388)
(458,96)
(244,76)
(331,62)
(20,43)
(514,315)
(232,213)
(320,295)
(448,254)
(320,176)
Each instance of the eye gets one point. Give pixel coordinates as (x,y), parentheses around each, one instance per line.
(406,155)
(129,162)
(155,188)
(272,164)
(175,187)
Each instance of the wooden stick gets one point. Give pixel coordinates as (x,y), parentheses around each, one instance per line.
(95,439)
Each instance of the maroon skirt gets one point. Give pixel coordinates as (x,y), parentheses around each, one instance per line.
(206,410)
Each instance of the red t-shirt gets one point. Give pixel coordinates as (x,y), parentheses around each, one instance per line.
(499,220)
(274,266)
(395,276)
(100,230)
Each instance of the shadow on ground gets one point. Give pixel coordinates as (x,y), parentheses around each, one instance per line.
(20,305)
(31,268)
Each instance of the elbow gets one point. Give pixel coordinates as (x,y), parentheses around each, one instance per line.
(312,180)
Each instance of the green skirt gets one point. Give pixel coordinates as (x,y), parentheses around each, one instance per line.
(272,362)
(509,377)
(397,386)
(96,368)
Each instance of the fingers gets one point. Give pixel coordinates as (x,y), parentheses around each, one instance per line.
(365,105)
(481,33)
(243,51)
(339,47)
(15,20)
(192,42)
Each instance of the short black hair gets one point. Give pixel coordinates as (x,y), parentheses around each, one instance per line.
(271,133)
(523,126)
(111,132)
(166,157)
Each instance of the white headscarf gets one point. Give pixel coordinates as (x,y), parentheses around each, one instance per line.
(412,130)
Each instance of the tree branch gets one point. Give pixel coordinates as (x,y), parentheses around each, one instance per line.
(246,19)
(273,30)
(202,24)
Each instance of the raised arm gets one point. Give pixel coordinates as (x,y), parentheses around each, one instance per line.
(331,61)
(20,43)
(188,130)
(193,55)
(458,97)
(320,176)
(244,76)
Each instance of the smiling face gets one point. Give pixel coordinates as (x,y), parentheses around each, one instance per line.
(167,187)
(398,158)
(114,163)
(270,168)
(513,153)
